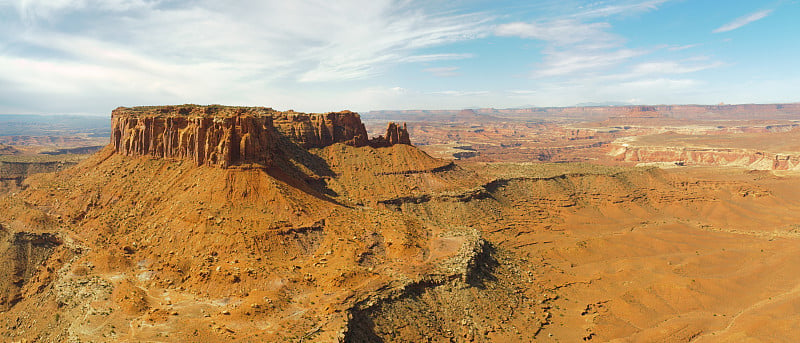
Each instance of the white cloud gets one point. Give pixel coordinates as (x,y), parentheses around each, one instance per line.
(559,32)
(671,67)
(600,91)
(443,71)
(316,55)
(571,62)
(742,21)
(33,10)
(589,52)
(574,48)
(388,35)
(524,92)
(583,59)
(623,8)
(122,51)
(435,57)
(684,47)
(461,93)
(663,84)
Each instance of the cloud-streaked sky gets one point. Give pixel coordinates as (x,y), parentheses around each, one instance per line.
(90,56)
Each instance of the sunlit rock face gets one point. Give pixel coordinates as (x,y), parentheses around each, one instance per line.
(223,136)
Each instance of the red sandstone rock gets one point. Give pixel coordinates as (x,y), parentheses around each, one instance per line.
(745,158)
(397,135)
(210,140)
(224,135)
(394,135)
(321,130)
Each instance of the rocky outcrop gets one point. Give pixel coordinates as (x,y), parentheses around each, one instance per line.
(22,255)
(226,135)
(321,130)
(394,135)
(397,135)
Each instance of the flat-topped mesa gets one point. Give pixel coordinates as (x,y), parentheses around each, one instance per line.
(226,135)
(210,135)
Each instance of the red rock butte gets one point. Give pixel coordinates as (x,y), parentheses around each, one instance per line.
(228,135)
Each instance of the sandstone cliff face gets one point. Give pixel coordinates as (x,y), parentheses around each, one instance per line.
(745,158)
(224,136)
(219,141)
(321,130)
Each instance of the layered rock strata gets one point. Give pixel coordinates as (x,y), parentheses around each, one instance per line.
(320,130)
(744,158)
(225,135)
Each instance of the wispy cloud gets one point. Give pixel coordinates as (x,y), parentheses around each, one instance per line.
(211,51)
(523,91)
(317,55)
(559,32)
(663,83)
(684,47)
(671,67)
(584,58)
(461,93)
(578,48)
(572,46)
(35,10)
(443,71)
(601,9)
(739,22)
(571,62)
(435,57)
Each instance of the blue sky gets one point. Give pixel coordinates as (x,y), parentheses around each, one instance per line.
(90,56)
